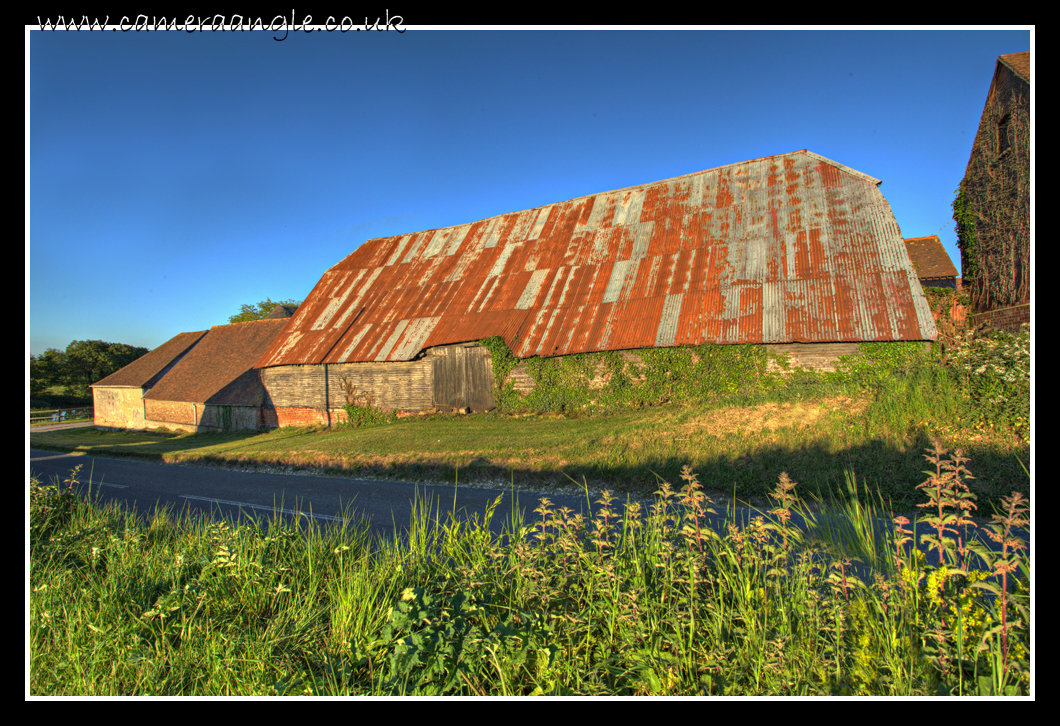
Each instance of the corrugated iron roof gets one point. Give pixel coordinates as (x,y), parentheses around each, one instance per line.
(930,259)
(788,248)
(140,372)
(220,369)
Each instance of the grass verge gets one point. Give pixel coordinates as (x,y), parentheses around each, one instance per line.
(650,603)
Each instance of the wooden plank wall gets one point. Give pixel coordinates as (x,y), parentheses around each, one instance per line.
(400,386)
(404,386)
(294,386)
(818,356)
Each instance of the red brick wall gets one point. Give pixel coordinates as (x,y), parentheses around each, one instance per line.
(1007,319)
(292,416)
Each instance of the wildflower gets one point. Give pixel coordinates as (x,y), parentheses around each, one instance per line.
(937,583)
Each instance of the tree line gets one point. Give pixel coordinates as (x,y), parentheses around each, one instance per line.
(79,366)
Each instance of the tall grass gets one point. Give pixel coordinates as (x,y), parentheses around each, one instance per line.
(628,601)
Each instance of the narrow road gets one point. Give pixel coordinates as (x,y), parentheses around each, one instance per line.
(253,496)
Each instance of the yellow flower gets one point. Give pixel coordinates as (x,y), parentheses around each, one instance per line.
(937,583)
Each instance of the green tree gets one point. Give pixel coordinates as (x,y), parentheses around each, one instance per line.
(45,371)
(257,312)
(88,361)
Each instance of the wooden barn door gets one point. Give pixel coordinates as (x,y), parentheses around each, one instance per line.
(463,378)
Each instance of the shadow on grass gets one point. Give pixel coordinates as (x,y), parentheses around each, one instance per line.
(890,469)
(149,445)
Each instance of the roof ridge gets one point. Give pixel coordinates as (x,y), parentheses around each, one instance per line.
(244,322)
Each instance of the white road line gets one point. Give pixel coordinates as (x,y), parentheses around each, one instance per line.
(255,506)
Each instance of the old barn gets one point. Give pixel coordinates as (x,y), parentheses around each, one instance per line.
(795,251)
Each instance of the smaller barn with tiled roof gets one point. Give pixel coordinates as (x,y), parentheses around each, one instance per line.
(202,381)
(118,398)
(931,262)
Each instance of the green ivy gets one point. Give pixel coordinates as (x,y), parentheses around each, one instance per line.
(994,374)
(965,228)
(664,376)
(877,362)
(505,396)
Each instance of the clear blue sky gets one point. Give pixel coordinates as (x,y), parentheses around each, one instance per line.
(172,177)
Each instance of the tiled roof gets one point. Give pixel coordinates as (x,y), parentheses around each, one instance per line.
(929,258)
(141,371)
(219,369)
(281,312)
(787,248)
(1020,63)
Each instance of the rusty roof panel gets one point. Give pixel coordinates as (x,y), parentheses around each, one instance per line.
(788,248)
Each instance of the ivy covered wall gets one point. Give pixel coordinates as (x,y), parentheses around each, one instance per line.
(992,204)
(660,376)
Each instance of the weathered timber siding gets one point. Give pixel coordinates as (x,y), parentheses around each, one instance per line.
(818,356)
(294,387)
(399,386)
(463,377)
(445,378)
(119,407)
(316,394)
